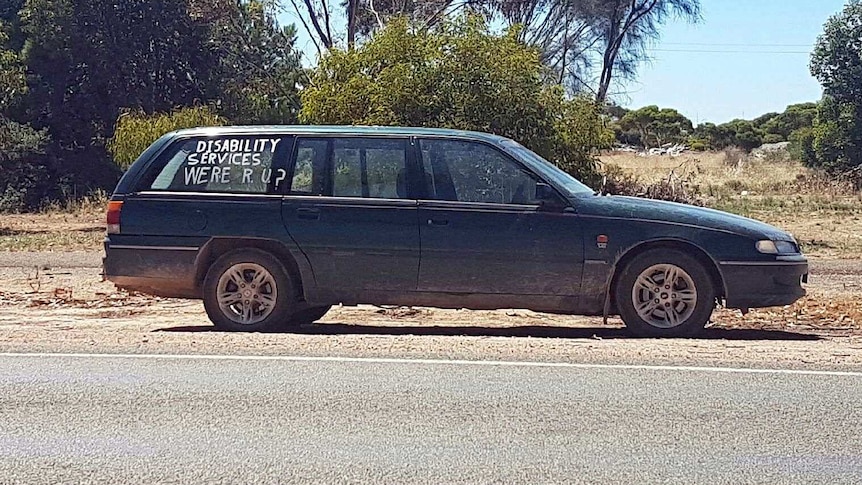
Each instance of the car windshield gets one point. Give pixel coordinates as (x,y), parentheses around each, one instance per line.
(547,169)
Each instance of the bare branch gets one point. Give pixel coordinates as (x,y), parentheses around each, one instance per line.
(312,14)
(307,28)
(327,23)
(575,34)
(374,12)
(435,18)
(351,23)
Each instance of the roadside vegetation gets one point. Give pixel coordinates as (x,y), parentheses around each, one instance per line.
(824,135)
(86,85)
(824,213)
(72,225)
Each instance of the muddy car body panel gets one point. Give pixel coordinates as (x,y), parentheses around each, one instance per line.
(725,242)
(409,216)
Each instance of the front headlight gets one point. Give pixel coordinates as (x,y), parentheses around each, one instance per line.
(776,247)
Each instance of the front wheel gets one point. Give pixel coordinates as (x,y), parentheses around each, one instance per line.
(665,293)
(247,290)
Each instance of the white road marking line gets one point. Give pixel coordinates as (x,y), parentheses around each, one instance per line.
(486,363)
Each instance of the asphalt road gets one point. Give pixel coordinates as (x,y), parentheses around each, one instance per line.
(234,420)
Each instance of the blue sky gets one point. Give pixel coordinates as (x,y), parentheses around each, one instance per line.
(746,58)
(743,80)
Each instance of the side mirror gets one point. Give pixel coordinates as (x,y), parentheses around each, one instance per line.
(548,198)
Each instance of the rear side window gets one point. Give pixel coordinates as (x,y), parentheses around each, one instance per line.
(351,167)
(231,164)
(309,172)
(467,171)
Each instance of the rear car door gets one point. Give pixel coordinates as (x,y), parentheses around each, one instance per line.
(200,187)
(350,210)
(483,229)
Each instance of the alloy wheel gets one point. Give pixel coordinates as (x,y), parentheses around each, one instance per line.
(664,296)
(247,293)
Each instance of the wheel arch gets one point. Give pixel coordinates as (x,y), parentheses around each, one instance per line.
(217,247)
(679,244)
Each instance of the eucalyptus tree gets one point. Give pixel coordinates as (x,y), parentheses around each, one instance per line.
(837,64)
(590,44)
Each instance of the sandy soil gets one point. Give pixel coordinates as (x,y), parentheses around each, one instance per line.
(52,308)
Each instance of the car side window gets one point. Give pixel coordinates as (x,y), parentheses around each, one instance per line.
(466,171)
(352,166)
(310,169)
(229,164)
(369,167)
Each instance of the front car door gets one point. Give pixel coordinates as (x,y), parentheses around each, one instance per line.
(484,231)
(350,211)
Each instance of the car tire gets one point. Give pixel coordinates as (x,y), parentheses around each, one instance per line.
(651,306)
(309,315)
(248,290)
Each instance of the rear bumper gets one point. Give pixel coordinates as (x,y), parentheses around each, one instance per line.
(157,270)
(759,284)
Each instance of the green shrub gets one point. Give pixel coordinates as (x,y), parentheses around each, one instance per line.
(578,132)
(13,80)
(802,147)
(459,76)
(838,135)
(23,175)
(136,131)
(837,64)
(773,138)
(775,156)
(657,126)
(698,145)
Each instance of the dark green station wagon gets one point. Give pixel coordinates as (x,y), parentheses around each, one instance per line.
(270,226)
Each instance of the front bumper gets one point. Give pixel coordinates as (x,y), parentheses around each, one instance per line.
(764,284)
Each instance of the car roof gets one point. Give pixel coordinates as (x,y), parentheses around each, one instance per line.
(338,130)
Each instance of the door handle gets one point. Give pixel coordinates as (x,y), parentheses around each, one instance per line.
(438,222)
(308,213)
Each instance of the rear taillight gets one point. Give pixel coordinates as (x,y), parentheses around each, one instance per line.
(114,208)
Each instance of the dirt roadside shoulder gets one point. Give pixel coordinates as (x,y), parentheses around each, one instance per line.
(64,307)
(48,259)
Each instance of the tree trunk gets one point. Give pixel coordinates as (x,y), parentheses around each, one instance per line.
(351,23)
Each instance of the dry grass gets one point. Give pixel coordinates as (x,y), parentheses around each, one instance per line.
(715,170)
(72,226)
(93,203)
(54,241)
(826,216)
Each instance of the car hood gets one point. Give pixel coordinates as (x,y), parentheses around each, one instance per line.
(674,213)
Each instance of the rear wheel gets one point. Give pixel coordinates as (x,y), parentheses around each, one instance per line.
(309,315)
(665,293)
(247,290)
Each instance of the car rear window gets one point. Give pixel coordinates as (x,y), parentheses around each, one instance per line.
(231,164)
